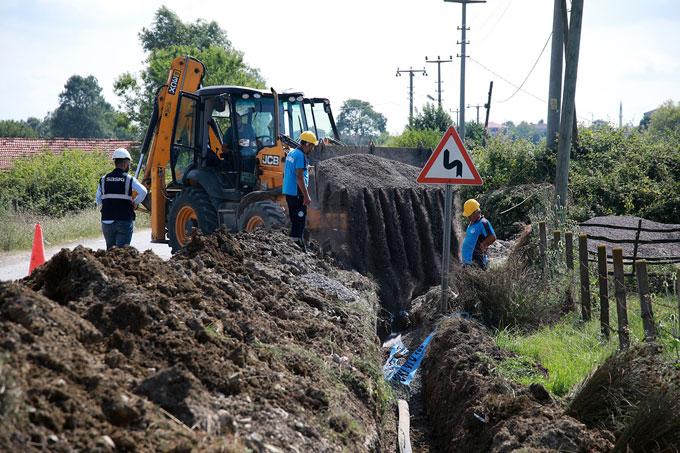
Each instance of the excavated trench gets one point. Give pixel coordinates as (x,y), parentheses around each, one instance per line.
(393,226)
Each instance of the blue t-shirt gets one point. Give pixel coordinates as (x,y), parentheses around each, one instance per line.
(474,235)
(296,159)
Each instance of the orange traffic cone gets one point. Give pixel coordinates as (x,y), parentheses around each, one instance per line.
(38,252)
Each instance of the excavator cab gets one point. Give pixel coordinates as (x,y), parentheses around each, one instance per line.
(320,117)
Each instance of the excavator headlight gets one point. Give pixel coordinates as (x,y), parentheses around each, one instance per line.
(245,96)
(257,95)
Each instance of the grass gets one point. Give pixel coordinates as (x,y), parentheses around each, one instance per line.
(571,349)
(16,229)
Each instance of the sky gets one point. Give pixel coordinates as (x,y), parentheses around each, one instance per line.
(630,51)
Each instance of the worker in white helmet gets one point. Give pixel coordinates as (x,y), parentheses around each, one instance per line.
(114,195)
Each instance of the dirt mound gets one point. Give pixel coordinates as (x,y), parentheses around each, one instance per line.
(238,341)
(636,395)
(394,225)
(472,409)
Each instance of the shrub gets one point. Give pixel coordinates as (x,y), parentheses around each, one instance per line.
(612,172)
(52,184)
(415,138)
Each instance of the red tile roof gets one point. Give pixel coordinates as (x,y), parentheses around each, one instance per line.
(12,148)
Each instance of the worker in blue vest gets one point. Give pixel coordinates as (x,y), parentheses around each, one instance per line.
(479,235)
(114,195)
(295,183)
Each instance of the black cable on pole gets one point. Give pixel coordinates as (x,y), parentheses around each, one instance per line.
(507,81)
(530,71)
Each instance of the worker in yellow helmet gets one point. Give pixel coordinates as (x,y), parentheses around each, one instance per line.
(479,235)
(295,182)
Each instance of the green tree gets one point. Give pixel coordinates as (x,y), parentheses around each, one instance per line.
(474,135)
(433,118)
(83,112)
(666,118)
(11,128)
(168,30)
(358,123)
(416,138)
(169,37)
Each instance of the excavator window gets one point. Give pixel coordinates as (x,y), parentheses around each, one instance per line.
(183,148)
(254,121)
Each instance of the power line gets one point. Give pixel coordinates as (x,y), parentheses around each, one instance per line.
(493,27)
(530,71)
(507,81)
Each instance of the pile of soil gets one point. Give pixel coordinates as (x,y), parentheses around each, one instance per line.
(473,409)
(636,395)
(395,225)
(236,342)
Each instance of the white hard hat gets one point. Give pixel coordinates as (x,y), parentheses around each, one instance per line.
(121,153)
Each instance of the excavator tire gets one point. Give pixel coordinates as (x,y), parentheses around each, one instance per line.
(264,213)
(191,210)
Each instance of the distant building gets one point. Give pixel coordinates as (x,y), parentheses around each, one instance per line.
(13,148)
(495,128)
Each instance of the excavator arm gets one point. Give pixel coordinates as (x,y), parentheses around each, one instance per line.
(185,75)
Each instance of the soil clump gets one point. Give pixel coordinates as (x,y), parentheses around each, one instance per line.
(236,342)
(474,409)
(394,225)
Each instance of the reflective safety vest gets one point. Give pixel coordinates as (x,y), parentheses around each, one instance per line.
(116,192)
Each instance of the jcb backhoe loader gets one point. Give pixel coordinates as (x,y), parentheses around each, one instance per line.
(215,157)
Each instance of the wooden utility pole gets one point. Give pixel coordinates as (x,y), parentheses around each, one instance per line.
(555,88)
(487,106)
(567,116)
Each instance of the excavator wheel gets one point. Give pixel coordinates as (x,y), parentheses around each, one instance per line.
(264,213)
(191,210)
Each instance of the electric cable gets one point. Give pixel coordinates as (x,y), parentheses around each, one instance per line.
(507,81)
(530,71)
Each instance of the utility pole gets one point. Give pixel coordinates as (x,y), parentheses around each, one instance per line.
(439,62)
(568,107)
(446,252)
(478,106)
(487,106)
(411,72)
(620,114)
(555,87)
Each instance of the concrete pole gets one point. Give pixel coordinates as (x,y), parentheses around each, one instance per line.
(555,88)
(568,105)
(461,115)
(410,97)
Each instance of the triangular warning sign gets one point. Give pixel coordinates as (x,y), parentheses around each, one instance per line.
(450,163)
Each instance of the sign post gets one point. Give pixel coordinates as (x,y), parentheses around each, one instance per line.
(449,164)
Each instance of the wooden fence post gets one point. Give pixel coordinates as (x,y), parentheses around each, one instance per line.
(604,289)
(620,291)
(569,248)
(635,246)
(645,300)
(543,241)
(556,239)
(585,276)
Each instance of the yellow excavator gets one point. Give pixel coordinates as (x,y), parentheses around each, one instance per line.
(216,155)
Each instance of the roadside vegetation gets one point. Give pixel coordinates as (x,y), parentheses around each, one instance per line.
(571,349)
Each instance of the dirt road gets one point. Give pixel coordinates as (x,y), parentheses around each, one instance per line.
(14,265)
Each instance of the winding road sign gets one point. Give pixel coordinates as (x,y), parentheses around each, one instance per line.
(450,163)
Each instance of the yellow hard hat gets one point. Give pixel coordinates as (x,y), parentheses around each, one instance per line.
(470,207)
(309,137)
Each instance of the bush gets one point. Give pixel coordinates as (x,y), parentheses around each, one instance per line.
(53,185)
(612,172)
(414,138)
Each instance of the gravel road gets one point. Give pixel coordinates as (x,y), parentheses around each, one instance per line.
(14,265)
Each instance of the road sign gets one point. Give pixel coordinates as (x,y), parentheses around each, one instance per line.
(450,163)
